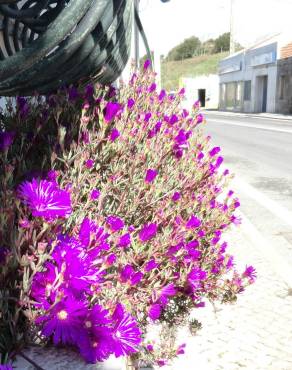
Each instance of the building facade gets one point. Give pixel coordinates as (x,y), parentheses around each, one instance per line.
(257,79)
(203,88)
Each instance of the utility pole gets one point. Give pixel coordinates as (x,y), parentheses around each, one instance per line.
(136,37)
(232,41)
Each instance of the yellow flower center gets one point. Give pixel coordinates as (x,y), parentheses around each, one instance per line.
(94,344)
(62,315)
(88,324)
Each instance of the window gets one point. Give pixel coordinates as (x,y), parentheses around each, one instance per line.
(282,86)
(222,94)
(247,90)
(230,95)
(238,95)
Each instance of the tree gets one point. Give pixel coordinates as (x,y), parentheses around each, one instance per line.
(222,43)
(185,50)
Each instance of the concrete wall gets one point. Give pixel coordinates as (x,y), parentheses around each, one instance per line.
(284,103)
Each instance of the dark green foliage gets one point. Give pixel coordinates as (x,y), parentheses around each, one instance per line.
(187,49)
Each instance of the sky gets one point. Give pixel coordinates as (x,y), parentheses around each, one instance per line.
(167,24)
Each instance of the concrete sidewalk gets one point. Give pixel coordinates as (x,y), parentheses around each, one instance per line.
(272,116)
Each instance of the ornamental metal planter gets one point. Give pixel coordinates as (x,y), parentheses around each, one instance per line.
(47,44)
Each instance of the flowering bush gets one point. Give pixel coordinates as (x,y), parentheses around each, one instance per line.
(113,208)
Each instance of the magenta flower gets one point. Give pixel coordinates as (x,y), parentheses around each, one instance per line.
(200,118)
(125,240)
(6,139)
(147,64)
(95,194)
(111,111)
(214,151)
(151,265)
(162,95)
(126,333)
(136,278)
(150,175)
(152,87)
(148,232)
(42,285)
(126,273)
(147,117)
(89,163)
(197,274)
(176,196)
(250,273)
(45,199)
(193,222)
(115,133)
(173,119)
(64,322)
(168,291)
(131,103)
(6,367)
(154,311)
(115,223)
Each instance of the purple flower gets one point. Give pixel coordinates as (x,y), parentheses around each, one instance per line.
(147,64)
(136,278)
(126,273)
(200,118)
(6,367)
(126,333)
(150,347)
(193,222)
(197,274)
(147,117)
(6,139)
(64,321)
(89,163)
(115,133)
(219,161)
(73,93)
(200,156)
(89,91)
(250,273)
(125,240)
(111,111)
(150,175)
(152,87)
(185,113)
(115,223)
(158,127)
(154,311)
(148,232)
(168,291)
(176,196)
(173,119)
(42,285)
(95,194)
(22,106)
(214,151)
(45,199)
(182,91)
(162,95)
(131,103)
(151,265)
(111,259)
(3,253)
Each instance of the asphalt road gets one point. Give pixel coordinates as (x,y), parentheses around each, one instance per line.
(259,152)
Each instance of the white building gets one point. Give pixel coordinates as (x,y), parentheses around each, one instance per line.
(204,88)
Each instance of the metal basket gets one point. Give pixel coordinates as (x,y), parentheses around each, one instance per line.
(48,44)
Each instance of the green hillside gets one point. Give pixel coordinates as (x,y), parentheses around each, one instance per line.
(171,72)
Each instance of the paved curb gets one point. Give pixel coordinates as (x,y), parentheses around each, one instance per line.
(271,116)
